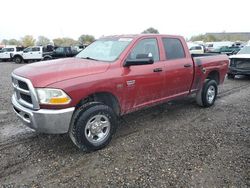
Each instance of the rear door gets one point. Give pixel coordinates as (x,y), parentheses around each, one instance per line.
(144,82)
(179,68)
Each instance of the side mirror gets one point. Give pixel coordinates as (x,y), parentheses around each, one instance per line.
(141,59)
(144,61)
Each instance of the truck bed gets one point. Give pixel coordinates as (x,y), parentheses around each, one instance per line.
(206,64)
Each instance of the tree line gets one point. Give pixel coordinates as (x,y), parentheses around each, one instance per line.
(212,38)
(29,40)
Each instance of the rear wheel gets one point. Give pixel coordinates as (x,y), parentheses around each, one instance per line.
(93,126)
(207,95)
(46,59)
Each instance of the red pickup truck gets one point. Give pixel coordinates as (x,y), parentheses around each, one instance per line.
(115,75)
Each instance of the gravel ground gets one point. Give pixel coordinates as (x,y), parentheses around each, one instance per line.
(177,144)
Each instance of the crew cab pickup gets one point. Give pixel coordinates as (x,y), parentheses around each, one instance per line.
(115,75)
(10,53)
(36,53)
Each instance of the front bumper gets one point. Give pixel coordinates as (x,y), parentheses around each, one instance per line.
(44,120)
(235,71)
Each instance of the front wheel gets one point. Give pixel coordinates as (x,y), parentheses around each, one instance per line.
(17,60)
(93,126)
(207,95)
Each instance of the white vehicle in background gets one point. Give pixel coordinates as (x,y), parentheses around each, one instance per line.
(11,53)
(36,53)
(195,48)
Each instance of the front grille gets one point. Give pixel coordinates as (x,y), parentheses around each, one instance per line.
(243,64)
(26,98)
(23,85)
(240,63)
(24,92)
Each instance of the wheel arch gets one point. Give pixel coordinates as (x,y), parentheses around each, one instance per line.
(47,56)
(214,75)
(106,98)
(17,55)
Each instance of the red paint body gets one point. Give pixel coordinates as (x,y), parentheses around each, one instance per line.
(80,78)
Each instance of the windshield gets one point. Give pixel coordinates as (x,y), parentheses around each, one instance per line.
(245,50)
(108,49)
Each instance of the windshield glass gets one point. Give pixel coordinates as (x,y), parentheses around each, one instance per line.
(107,49)
(245,50)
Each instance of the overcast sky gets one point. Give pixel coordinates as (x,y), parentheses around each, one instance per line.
(61,18)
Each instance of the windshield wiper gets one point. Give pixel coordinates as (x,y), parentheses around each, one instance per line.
(90,58)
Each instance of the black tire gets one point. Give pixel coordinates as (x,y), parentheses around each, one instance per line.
(230,76)
(209,88)
(46,59)
(17,59)
(79,128)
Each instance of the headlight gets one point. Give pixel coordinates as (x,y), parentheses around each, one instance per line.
(52,96)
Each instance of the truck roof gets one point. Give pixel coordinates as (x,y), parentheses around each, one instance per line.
(140,35)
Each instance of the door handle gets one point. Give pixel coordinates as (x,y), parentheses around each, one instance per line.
(187,65)
(158,70)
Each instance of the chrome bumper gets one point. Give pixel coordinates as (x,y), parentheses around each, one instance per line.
(43,120)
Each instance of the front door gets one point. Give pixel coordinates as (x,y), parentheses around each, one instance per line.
(144,82)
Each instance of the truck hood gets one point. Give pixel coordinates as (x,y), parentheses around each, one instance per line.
(45,73)
(240,56)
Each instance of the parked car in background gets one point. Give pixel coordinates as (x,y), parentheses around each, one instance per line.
(229,50)
(63,52)
(112,77)
(11,53)
(81,47)
(240,63)
(197,49)
(212,46)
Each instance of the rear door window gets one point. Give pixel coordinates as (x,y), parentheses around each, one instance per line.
(173,48)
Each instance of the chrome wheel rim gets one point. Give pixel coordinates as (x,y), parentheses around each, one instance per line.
(97,129)
(210,94)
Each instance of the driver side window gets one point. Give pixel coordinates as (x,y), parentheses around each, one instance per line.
(144,49)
